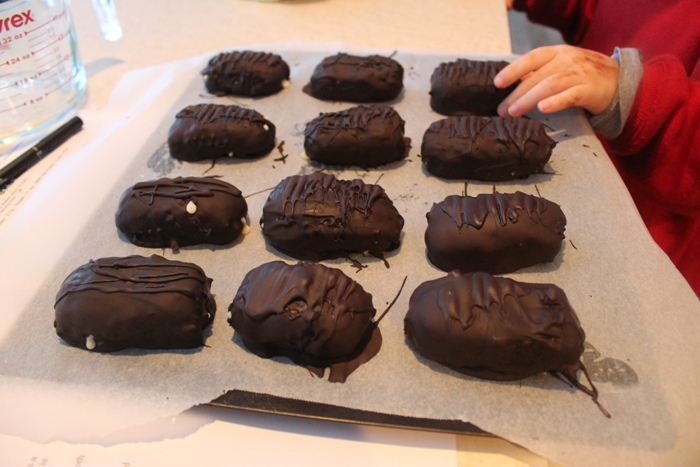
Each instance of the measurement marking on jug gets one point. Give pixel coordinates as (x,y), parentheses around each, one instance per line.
(55,18)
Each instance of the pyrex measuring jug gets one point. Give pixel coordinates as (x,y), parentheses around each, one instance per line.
(41,75)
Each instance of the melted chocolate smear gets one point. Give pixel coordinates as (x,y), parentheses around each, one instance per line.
(393,301)
(366,350)
(569,375)
(356,264)
(213,163)
(283,157)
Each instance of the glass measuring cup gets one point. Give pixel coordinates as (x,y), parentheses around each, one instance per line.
(41,75)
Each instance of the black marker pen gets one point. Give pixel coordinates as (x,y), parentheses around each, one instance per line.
(17,167)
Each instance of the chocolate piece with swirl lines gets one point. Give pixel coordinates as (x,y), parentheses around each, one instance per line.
(495,233)
(209,131)
(245,73)
(315,315)
(351,78)
(365,136)
(497,329)
(111,304)
(316,217)
(486,148)
(170,213)
(465,87)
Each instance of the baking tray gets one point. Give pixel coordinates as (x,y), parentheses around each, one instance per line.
(245,400)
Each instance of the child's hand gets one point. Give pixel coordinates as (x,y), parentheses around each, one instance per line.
(558,77)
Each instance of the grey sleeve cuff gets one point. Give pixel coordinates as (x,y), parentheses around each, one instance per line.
(611,121)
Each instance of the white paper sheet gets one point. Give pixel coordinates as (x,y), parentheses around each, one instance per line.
(638,313)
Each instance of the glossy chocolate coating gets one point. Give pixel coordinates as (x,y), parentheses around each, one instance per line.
(315,315)
(495,328)
(350,78)
(245,73)
(318,217)
(208,131)
(486,148)
(495,233)
(148,303)
(365,136)
(465,87)
(170,213)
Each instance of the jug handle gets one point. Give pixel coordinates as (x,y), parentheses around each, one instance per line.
(107,17)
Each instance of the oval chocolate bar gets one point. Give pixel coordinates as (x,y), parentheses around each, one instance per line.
(365,136)
(318,217)
(209,131)
(493,327)
(498,329)
(170,213)
(111,304)
(246,73)
(315,315)
(486,148)
(495,233)
(350,78)
(465,87)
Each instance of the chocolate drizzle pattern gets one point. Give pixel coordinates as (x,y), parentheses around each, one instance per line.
(315,315)
(350,78)
(486,148)
(496,328)
(319,217)
(245,73)
(170,213)
(504,208)
(465,87)
(208,131)
(135,301)
(495,233)
(182,188)
(366,136)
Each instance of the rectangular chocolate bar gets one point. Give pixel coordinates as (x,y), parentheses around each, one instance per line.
(111,304)
(365,136)
(486,148)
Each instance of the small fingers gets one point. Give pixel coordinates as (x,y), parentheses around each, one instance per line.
(571,97)
(542,90)
(528,63)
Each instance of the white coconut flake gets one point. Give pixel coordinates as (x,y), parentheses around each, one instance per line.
(246,227)
(286,84)
(191,207)
(266,126)
(304,156)
(90,342)
(230,315)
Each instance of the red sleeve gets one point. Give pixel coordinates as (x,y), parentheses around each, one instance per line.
(660,144)
(571,18)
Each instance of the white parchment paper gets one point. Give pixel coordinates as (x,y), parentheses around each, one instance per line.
(641,319)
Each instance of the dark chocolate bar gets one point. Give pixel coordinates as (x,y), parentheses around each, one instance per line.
(365,136)
(493,327)
(112,304)
(486,148)
(170,213)
(315,315)
(495,233)
(498,329)
(246,73)
(209,131)
(465,87)
(318,217)
(350,78)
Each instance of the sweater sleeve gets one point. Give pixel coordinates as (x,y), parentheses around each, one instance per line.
(571,18)
(660,144)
